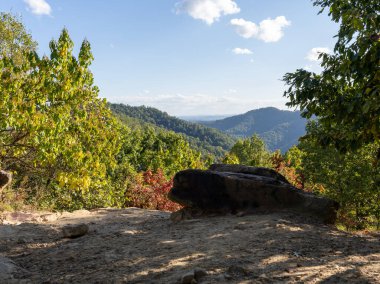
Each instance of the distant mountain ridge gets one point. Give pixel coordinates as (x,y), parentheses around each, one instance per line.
(203,138)
(280,129)
(197,118)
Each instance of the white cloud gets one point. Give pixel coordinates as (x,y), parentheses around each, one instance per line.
(272,30)
(208,11)
(241,51)
(268,30)
(200,104)
(314,53)
(38,7)
(313,57)
(245,28)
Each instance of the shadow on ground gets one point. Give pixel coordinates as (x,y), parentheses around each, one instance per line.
(140,246)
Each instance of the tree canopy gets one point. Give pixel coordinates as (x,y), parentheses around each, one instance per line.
(53,125)
(14,40)
(60,140)
(250,152)
(346,95)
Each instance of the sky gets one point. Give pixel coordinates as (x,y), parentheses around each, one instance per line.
(187,57)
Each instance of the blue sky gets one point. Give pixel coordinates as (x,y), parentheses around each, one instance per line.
(187,57)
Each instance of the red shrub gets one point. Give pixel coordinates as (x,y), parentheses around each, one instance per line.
(288,171)
(150,192)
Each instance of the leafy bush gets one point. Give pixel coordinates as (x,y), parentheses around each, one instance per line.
(150,192)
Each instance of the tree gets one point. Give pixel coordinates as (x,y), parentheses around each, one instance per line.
(146,149)
(251,152)
(349,178)
(54,130)
(290,166)
(346,95)
(14,40)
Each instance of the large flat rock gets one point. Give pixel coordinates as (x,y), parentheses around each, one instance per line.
(232,188)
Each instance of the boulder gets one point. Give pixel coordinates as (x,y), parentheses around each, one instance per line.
(259,171)
(75,231)
(234,188)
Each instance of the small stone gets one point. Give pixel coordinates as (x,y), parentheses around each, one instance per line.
(235,269)
(75,231)
(199,273)
(187,278)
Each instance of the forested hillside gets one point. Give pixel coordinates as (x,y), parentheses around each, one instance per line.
(278,128)
(207,140)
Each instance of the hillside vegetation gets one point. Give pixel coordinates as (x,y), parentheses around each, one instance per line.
(278,128)
(207,140)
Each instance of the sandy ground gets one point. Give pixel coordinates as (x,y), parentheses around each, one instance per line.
(143,246)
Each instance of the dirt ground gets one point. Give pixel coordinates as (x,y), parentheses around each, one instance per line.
(143,246)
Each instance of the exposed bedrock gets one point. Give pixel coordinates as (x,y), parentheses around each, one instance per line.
(234,188)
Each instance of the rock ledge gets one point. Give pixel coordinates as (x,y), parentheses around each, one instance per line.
(236,188)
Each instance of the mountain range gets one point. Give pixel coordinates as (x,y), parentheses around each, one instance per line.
(207,140)
(279,129)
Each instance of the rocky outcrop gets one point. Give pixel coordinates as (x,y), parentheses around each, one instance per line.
(234,188)
(259,171)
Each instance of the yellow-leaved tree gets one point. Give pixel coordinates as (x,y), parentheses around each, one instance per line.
(55,133)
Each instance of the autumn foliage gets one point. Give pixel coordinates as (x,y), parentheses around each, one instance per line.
(285,167)
(150,192)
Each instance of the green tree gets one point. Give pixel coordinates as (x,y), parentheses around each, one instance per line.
(54,130)
(346,95)
(349,178)
(251,152)
(146,149)
(231,159)
(14,40)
